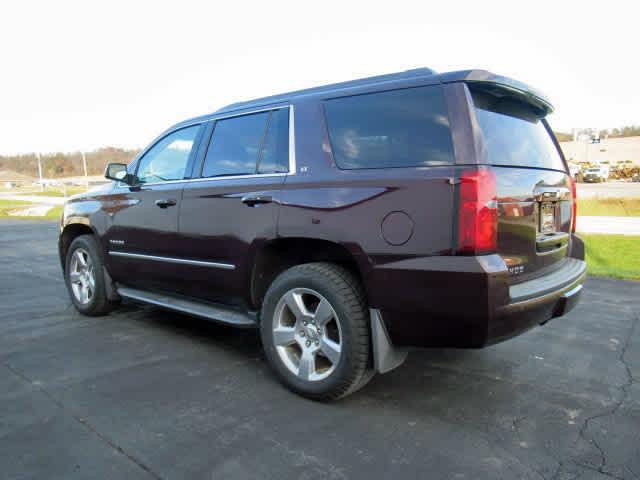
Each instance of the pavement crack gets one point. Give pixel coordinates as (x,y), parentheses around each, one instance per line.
(611,411)
(586,466)
(515,423)
(85,423)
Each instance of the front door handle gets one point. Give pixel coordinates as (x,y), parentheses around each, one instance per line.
(254,199)
(166,202)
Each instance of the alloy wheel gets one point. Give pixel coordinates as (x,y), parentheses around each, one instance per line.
(82,276)
(307,334)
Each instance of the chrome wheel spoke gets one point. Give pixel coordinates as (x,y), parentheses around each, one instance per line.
(307,365)
(324,313)
(80,258)
(84,294)
(74,277)
(330,349)
(284,336)
(295,304)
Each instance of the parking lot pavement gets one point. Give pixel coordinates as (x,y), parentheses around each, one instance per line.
(144,393)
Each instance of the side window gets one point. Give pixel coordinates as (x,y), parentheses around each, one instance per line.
(167,159)
(275,151)
(234,145)
(399,128)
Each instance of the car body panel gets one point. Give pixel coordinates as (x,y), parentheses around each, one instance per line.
(399,225)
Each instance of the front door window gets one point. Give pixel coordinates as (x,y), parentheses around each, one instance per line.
(167,159)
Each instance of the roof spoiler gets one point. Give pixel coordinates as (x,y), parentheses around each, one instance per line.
(501,86)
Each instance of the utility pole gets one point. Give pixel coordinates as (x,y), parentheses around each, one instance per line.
(84,164)
(40,172)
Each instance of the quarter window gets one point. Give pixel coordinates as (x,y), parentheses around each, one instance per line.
(167,159)
(399,128)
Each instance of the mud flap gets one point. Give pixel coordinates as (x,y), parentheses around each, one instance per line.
(109,287)
(386,356)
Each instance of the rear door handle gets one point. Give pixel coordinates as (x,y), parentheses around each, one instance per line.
(255,199)
(166,202)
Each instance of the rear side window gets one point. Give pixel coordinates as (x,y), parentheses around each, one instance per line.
(399,128)
(275,151)
(249,144)
(234,145)
(514,136)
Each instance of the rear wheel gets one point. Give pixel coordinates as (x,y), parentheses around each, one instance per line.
(84,277)
(315,331)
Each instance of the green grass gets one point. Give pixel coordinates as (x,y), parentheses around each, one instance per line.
(615,256)
(7,205)
(60,192)
(614,207)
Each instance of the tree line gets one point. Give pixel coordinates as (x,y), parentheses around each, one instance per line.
(628,131)
(58,165)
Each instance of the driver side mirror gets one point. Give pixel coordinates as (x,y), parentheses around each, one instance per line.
(118,172)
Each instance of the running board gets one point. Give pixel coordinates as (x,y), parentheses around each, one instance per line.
(219,313)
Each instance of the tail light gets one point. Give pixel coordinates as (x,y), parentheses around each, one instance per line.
(478,214)
(575,205)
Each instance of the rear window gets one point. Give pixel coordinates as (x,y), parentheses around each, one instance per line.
(514,136)
(399,128)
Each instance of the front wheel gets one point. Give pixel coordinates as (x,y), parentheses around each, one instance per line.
(315,331)
(84,278)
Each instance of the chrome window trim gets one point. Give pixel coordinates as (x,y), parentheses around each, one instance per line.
(292,142)
(292,152)
(182,261)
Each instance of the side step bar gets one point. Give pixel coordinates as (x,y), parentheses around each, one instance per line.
(219,313)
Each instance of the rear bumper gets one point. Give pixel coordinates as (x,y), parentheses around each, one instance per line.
(468,302)
(538,301)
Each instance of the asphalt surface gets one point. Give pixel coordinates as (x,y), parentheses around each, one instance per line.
(144,393)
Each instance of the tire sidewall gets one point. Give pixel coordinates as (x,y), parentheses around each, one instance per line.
(343,371)
(88,244)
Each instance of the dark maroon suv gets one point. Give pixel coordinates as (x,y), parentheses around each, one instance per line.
(347,222)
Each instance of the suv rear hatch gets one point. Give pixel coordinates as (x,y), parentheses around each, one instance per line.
(534,189)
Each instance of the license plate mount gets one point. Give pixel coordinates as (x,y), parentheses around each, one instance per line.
(547,217)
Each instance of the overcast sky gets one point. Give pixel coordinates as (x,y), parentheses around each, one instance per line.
(80,75)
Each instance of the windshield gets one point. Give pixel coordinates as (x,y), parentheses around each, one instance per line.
(514,136)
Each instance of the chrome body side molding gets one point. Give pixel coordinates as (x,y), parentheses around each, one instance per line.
(182,261)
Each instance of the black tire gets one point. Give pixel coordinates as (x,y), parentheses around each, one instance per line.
(345,295)
(98,304)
